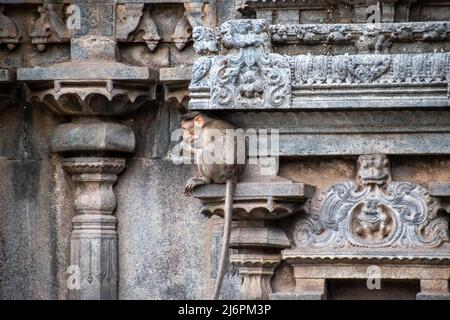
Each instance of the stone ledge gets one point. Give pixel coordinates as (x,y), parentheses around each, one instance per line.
(293,190)
(96,70)
(391,256)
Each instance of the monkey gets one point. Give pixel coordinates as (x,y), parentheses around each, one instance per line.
(205,132)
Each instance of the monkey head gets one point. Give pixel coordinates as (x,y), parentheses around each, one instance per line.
(189,125)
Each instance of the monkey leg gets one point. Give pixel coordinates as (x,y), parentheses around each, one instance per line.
(194,182)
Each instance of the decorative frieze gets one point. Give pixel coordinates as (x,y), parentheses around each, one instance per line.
(369,69)
(135,24)
(343,11)
(368,37)
(250,77)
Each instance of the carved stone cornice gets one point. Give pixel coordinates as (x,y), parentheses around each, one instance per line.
(366,37)
(296,256)
(176,82)
(89,88)
(250,77)
(257,200)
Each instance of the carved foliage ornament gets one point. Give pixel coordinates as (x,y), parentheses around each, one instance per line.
(366,68)
(373,213)
(249,76)
(373,38)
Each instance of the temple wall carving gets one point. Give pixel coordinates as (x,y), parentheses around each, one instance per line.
(91,97)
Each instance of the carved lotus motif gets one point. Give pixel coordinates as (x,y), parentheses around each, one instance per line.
(254,209)
(97,98)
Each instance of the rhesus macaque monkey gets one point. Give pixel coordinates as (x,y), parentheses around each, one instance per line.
(207,133)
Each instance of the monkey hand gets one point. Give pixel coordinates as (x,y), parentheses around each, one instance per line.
(188,188)
(192,183)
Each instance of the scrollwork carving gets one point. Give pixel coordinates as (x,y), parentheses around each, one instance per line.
(374,213)
(249,76)
(365,37)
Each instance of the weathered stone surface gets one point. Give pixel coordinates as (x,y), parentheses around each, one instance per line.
(336,88)
(103,136)
(364,81)
(158,259)
(34,210)
(86,71)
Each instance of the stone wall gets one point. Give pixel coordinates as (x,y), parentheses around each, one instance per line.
(86,118)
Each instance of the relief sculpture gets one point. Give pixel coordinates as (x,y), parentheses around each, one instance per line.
(374,212)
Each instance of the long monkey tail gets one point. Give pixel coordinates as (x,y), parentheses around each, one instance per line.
(228,214)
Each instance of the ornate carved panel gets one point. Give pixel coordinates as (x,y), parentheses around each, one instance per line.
(251,77)
(373,213)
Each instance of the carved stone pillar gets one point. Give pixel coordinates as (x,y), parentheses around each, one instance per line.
(257,240)
(93,147)
(94,238)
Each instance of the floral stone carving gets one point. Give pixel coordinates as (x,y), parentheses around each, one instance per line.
(374,212)
(249,76)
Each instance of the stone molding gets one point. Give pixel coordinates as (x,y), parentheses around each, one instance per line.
(250,77)
(374,38)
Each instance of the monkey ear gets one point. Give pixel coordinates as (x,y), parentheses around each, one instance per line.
(199,121)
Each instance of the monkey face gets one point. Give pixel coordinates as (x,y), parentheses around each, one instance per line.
(188,131)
